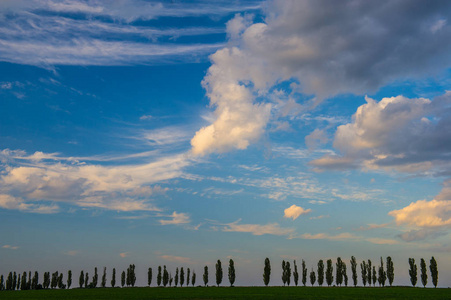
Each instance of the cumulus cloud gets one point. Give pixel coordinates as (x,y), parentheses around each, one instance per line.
(424,213)
(177,219)
(257,229)
(295,211)
(397,133)
(17,203)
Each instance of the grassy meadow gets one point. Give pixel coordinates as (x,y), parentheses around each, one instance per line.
(233,293)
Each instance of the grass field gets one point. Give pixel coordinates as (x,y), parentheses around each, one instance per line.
(234,293)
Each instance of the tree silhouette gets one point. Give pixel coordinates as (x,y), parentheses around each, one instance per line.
(149,276)
(176,278)
(312,277)
(363,268)
(354,270)
(187,277)
(165,276)
(320,272)
(267,272)
(339,272)
(182,277)
(193,280)
(159,276)
(329,272)
(434,271)
(390,271)
(69,279)
(413,272)
(424,275)
(219,273)
(205,277)
(369,277)
(382,274)
(295,274)
(123,278)
(231,272)
(104,277)
(113,278)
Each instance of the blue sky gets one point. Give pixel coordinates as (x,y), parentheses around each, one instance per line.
(185,132)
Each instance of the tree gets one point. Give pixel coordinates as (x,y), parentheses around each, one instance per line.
(231,272)
(205,277)
(23,281)
(95,278)
(81,279)
(69,278)
(187,277)
(165,276)
(123,279)
(354,270)
(149,276)
(390,270)
(2,286)
(170,280)
(374,276)
(113,278)
(434,271)
(218,272)
(182,277)
(104,277)
(413,272)
(312,277)
(159,276)
(304,273)
(424,275)
(320,272)
(14,281)
(284,279)
(382,274)
(295,274)
(267,272)
(363,268)
(369,277)
(29,281)
(132,275)
(339,272)
(54,282)
(288,273)
(193,280)
(86,279)
(60,283)
(176,276)
(329,273)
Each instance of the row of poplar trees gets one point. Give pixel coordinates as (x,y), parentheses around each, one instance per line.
(369,275)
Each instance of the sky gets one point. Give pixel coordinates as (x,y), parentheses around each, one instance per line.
(178,133)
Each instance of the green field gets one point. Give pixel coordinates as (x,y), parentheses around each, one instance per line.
(234,293)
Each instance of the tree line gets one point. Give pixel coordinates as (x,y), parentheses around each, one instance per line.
(370,275)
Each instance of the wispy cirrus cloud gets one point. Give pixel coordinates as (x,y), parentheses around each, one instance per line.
(177,259)
(257,229)
(176,219)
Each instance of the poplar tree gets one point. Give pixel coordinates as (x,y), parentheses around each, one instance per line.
(413,272)
(123,279)
(95,278)
(193,280)
(295,274)
(29,281)
(159,276)
(182,277)
(363,268)
(176,276)
(424,275)
(46,280)
(312,277)
(382,274)
(113,278)
(231,272)
(2,286)
(288,273)
(369,277)
(104,277)
(86,279)
(170,280)
(329,273)
(69,278)
(219,273)
(304,273)
(390,270)
(14,281)
(149,276)
(284,278)
(187,277)
(267,272)
(434,271)
(339,272)
(345,274)
(320,272)
(60,283)
(81,279)
(165,276)
(205,277)
(354,270)
(23,281)
(374,276)
(54,282)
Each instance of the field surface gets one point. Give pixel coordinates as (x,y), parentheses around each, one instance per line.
(233,293)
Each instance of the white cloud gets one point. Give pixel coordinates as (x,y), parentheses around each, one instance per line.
(49,177)
(372,226)
(124,254)
(177,219)
(295,211)
(316,138)
(177,259)
(10,247)
(256,229)
(325,236)
(380,241)
(424,213)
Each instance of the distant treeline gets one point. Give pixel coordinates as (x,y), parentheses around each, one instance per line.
(370,275)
